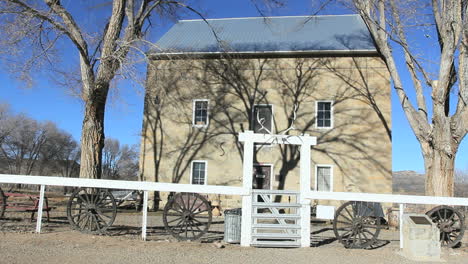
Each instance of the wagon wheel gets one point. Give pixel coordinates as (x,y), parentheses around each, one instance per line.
(187,216)
(91,210)
(450,223)
(355,224)
(2,203)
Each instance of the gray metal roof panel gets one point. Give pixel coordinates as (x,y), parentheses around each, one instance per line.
(270,34)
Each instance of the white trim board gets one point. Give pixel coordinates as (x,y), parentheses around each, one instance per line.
(277,139)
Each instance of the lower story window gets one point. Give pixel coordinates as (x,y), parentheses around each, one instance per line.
(198,175)
(324,178)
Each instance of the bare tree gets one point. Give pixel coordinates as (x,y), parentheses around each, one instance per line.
(40,25)
(394,25)
(21,148)
(119,162)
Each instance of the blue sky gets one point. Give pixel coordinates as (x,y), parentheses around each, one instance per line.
(48,101)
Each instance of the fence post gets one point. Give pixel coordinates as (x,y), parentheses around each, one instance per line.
(246,220)
(145,215)
(39,209)
(402,208)
(304,188)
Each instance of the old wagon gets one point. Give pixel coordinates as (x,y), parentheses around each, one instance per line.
(186,216)
(358,224)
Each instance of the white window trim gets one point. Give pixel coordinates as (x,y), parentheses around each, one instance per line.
(331,175)
(206,171)
(272,172)
(207,112)
(331,113)
(254,118)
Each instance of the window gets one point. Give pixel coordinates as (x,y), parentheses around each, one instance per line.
(324,178)
(263,119)
(324,115)
(198,175)
(200,113)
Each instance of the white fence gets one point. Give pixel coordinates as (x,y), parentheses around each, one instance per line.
(113,184)
(402,200)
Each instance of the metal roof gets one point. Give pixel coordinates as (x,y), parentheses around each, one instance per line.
(332,33)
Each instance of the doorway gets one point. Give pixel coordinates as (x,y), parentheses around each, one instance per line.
(262,176)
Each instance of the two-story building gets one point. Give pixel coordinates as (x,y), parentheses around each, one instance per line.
(321,75)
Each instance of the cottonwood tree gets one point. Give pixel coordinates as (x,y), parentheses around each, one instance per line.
(439,26)
(34,29)
(119,162)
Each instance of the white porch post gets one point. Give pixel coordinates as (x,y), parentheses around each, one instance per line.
(246,224)
(305,187)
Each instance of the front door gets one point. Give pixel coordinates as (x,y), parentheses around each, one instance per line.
(262,177)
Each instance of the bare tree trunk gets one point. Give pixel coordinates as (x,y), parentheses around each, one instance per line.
(92,135)
(439,166)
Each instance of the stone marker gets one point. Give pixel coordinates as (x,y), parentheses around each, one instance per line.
(420,238)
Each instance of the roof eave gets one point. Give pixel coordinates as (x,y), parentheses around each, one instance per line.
(257,54)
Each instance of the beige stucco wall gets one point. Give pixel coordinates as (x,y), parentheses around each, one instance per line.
(358,146)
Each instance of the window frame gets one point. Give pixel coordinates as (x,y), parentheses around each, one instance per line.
(331,176)
(254,118)
(206,171)
(331,114)
(194,103)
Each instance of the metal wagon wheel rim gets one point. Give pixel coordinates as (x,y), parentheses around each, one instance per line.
(450,223)
(91,210)
(187,216)
(2,203)
(355,226)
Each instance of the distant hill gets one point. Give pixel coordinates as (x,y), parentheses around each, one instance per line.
(408,182)
(413,183)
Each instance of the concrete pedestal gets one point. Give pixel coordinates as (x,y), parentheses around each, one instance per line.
(420,238)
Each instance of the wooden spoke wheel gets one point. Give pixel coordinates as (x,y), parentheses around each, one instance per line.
(2,203)
(187,216)
(450,223)
(91,210)
(356,225)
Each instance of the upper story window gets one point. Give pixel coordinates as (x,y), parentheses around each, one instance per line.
(198,173)
(324,114)
(200,113)
(324,178)
(262,119)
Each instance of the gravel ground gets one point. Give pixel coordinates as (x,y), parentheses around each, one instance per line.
(74,247)
(123,244)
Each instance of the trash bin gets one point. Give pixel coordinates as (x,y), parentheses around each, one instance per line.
(232,225)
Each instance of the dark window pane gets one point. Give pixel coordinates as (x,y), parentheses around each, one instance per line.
(198,173)
(324,114)
(201,113)
(262,115)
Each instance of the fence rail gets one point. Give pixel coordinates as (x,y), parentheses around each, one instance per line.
(126,185)
(386,198)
